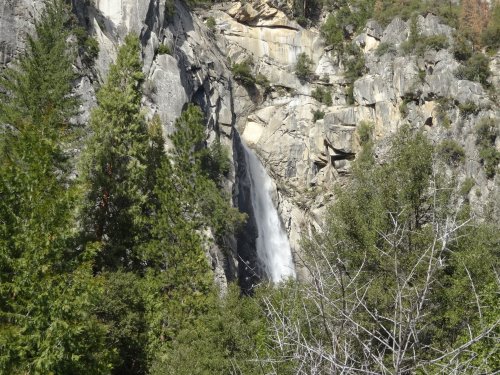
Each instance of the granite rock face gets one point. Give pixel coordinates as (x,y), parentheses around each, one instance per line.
(16,21)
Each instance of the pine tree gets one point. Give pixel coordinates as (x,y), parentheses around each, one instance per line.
(47,291)
(43,76)
(180,281)
(176,248)
(115,165)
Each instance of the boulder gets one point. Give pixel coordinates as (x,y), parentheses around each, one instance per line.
(374,30)
(371,89)
(396,32)
(350,116)
(261,13)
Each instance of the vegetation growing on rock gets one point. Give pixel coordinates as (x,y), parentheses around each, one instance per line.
(487,131)
(303,67)
(322,95)
(243,72)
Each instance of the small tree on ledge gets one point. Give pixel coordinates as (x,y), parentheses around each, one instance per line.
(303,67)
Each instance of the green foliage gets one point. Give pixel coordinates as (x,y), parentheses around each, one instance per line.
(303,67)
(468,109)
(350,16)
(451,152)
(114,164)
(322,95)
(386,10)
(305,11)
(444,105)
(122,308)
(189,199)
(350,94)
(354,67)
(422,73)
(403,107)
(132,292)
(384,48)
(199,3)
(467,186)
(149,88)
(301,20)
(365,132)
(211,23)
(476,68)
(332,31)
(462,48)
(490,158)
(189,157)
(318,115)
(163,49)
(105,285)
(469,277)
(215,162)
(47,290)
(419,44)
(410,44)
(435,42)
(377,257)
(43,75)
(487,131)
(180,283)
(262,81)
(51,328)
(292,303)
(242,72)
(169,9)
(354,62)
(229,335)
(89,46)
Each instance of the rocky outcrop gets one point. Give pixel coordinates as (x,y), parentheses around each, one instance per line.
(262,14)
(16,21)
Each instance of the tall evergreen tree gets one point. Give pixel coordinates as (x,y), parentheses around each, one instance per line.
(115,165)
(47,291)
(118,170)
(180,280)
(179,275)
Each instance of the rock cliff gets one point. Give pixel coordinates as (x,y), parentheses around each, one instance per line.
(305,158)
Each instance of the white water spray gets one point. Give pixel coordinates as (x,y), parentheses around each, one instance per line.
(273,248)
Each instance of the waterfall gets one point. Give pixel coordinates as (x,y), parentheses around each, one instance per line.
(273,249)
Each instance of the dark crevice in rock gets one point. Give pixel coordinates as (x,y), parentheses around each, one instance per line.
(275,27)
(248,273)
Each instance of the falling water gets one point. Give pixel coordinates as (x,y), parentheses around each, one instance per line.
(273,248)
